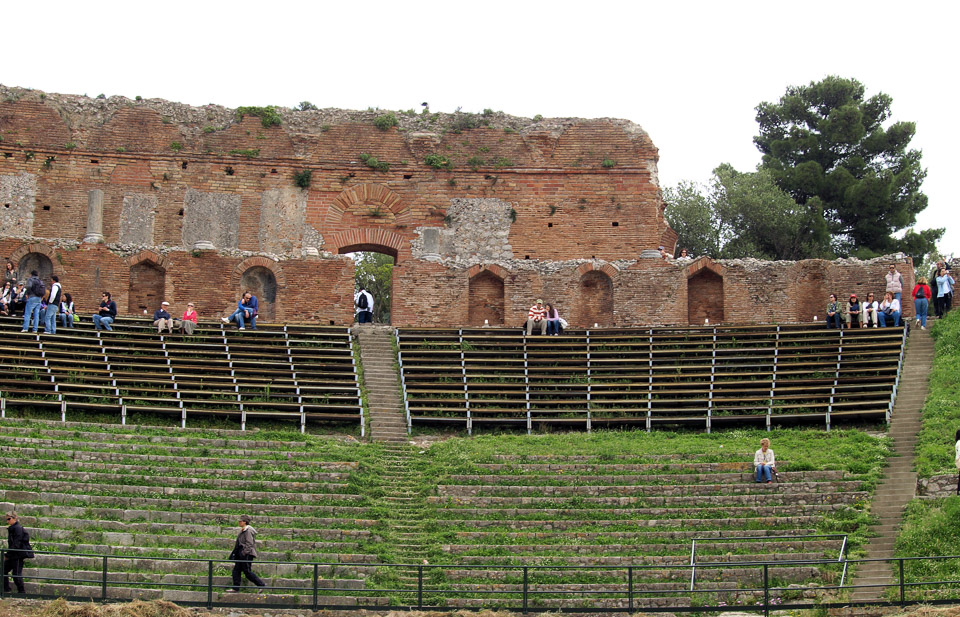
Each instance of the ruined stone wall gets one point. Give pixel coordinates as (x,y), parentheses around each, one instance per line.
(482,212)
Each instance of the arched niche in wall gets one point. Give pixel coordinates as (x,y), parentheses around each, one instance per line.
(34,261)
(147,287)
(262,283)
(485,296)
(595,299)
(704,292)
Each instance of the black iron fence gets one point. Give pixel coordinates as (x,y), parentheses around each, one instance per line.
(723,586)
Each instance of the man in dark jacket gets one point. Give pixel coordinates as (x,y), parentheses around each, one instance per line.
(18,543)
(243,554)
(31,310)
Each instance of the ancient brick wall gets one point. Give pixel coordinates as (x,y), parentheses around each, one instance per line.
(483,214)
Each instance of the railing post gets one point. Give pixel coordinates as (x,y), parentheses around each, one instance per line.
(419,588)
(316,573)
(526,587)
(630,588)
(3,559)
(103,581)
(902,586)
(210,584)
(766,591)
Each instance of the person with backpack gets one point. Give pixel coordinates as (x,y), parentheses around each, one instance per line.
(921,302)
(31,310)
(363,300)
(19,549)
(53,306)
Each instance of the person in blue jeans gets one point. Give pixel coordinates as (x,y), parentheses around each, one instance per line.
(107,313)
(921,293)
(834,312)
(764,462)
(889,310)
(31,310)
(246,309)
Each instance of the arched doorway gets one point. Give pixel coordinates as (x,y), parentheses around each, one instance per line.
(595,299)
(262,283)
(705,298)
(34,261)
(374,271)
(485,299)
(146,290)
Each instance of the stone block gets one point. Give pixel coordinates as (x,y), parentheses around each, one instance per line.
(137,219)
(211,217)
(282,220)
(18,195)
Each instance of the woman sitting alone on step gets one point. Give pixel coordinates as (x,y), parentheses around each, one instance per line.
(764,462)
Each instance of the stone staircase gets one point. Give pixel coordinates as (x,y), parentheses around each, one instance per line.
(387,420)
(900,480)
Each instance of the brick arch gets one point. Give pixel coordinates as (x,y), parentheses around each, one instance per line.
(371,195)
(704,263)
(252,262)
(34,247)
(379,240)
(498,271)
(45,250)
(153,257)
(609,269)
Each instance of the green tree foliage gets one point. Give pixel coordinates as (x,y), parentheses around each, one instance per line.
(743,215)
(374,271)
(835,152)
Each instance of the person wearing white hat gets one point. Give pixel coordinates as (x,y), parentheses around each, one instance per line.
(162,318)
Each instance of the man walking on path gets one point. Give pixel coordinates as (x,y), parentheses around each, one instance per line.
(18,543)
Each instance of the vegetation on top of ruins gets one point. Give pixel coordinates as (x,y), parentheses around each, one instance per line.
(608,163)
(302,178)
(268,115)
(176,146)
(306,106)
(373,163)
(385,121)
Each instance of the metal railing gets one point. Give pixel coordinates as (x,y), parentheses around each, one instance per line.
(747,585)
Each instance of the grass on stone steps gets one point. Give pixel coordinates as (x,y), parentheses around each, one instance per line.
(941,411)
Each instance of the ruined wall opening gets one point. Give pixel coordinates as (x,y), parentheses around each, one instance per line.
(485,300)
(34,261)
(146,290)
(262,283)
(705,298)
(374,272)
(595,300)
(811,296)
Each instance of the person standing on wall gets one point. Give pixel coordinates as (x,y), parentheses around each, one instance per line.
(243,554)
(945,285)
(936,300)
(18,543)
(894,282)
(31,309)
(53,306)
(363,301)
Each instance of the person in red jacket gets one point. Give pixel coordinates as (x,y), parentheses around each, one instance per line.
(921,301)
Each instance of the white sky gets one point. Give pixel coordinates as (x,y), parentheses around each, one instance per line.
(690,73)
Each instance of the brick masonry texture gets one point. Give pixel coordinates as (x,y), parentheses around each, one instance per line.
(527,209)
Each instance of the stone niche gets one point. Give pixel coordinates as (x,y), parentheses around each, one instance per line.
(211,217)
(137,219)
(17,202)
(282,220)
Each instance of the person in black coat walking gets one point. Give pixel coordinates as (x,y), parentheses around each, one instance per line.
(18,543)
(243,554)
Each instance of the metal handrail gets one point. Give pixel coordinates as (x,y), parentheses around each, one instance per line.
(528,591)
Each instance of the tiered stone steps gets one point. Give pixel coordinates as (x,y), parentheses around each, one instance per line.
(387,419)
(900,480)
(94,490)
(585,519)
